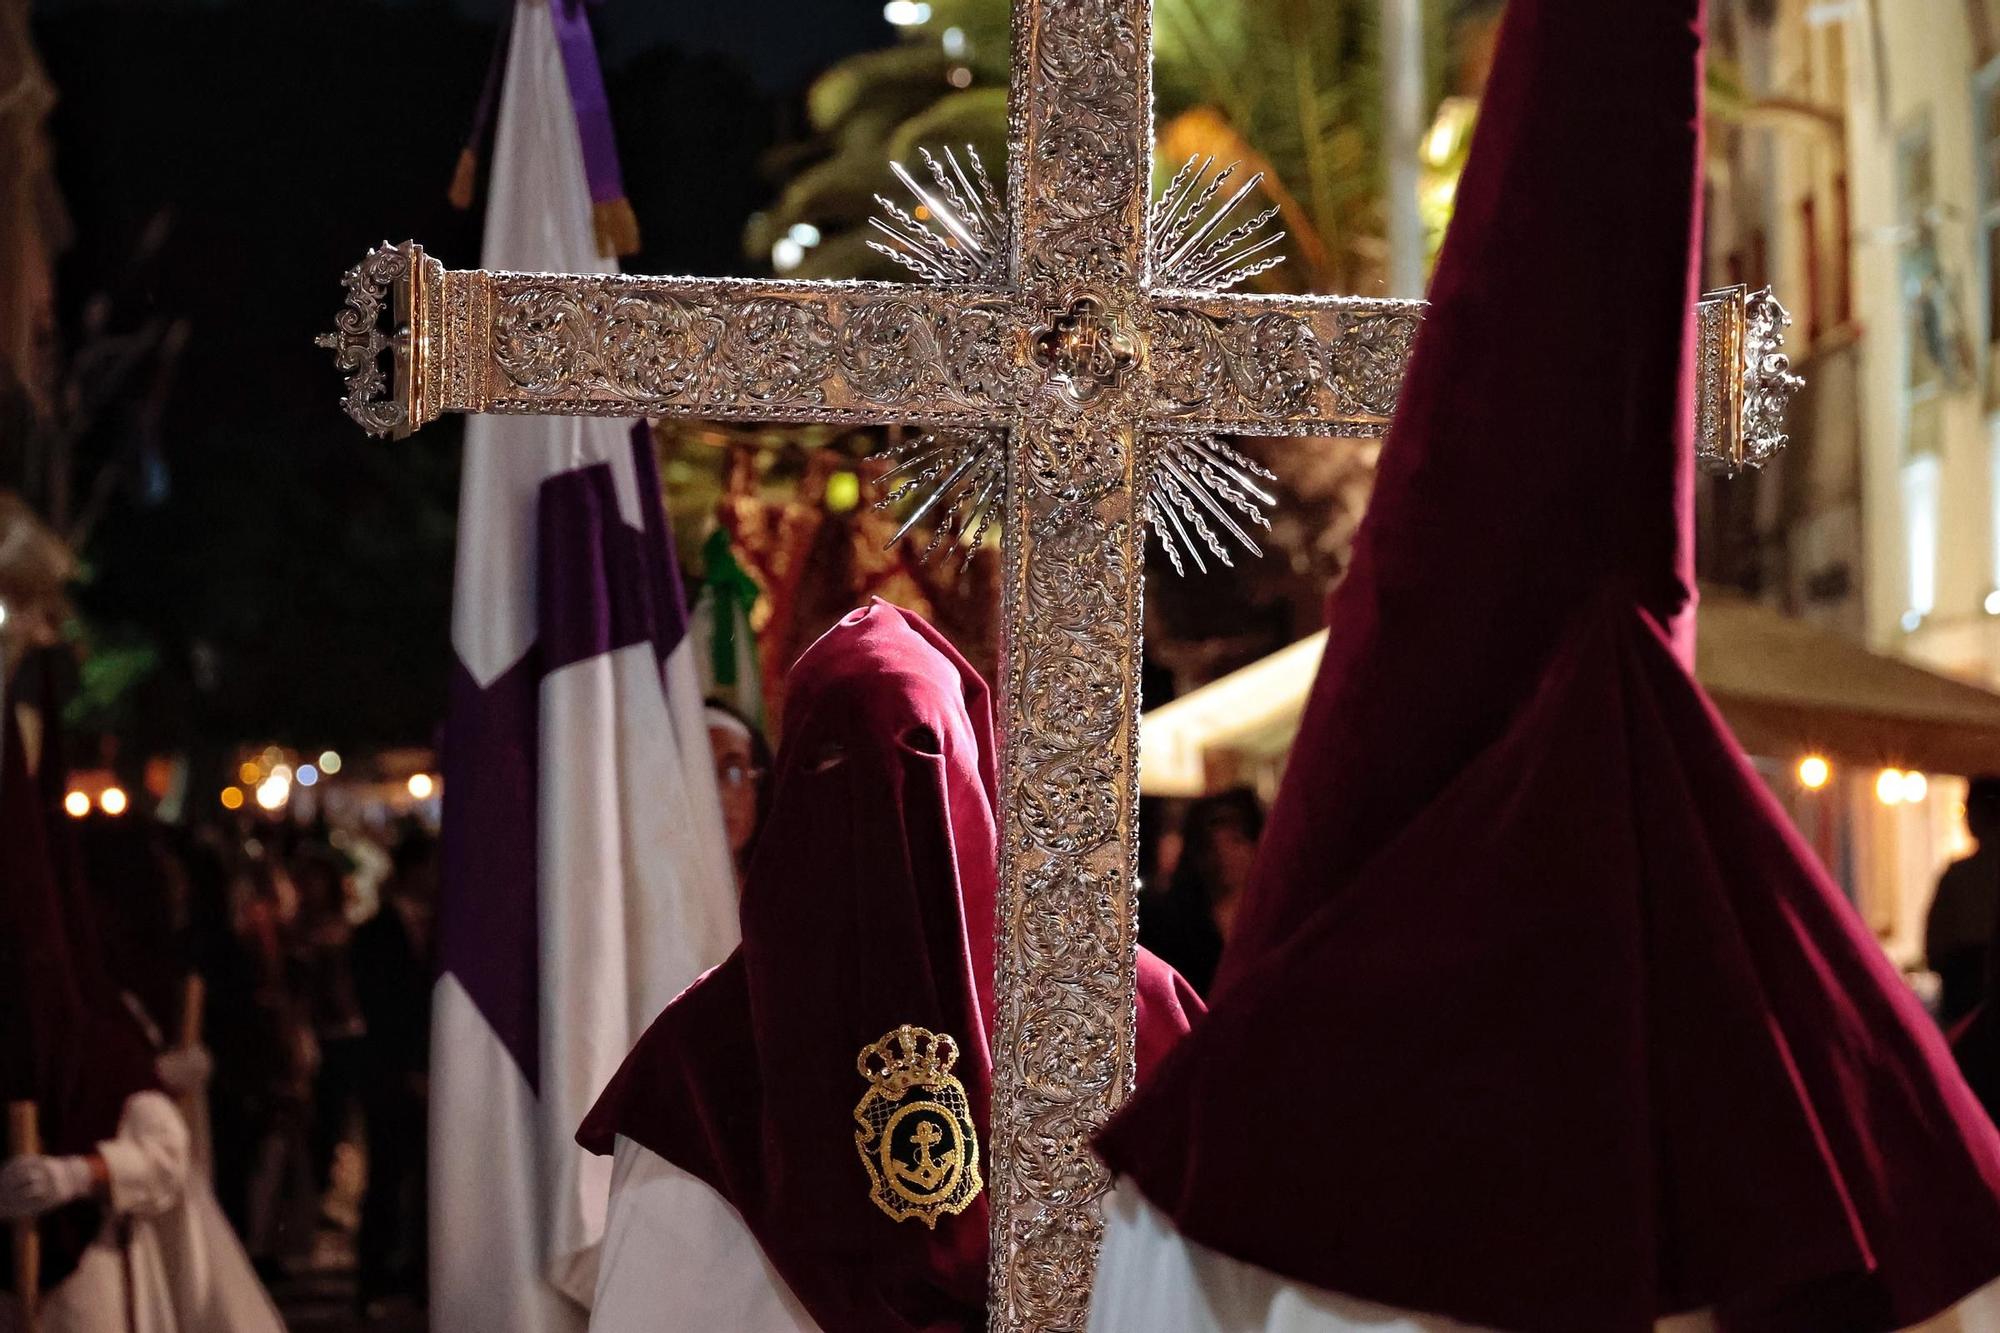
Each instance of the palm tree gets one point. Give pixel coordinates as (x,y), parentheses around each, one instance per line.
(1291,88)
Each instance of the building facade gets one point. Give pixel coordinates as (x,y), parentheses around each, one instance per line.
(1854,165)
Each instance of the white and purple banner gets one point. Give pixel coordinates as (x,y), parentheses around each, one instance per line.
(587,879)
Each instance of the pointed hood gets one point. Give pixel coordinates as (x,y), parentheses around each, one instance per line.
(869,904)
(1559,1027)
(1540,455)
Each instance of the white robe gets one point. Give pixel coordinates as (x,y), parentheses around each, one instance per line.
(1151,1279)
(180,1268)
(677,1258)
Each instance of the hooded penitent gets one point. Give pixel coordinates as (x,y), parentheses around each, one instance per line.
(868,909)
(1538,1015)
(66,1042)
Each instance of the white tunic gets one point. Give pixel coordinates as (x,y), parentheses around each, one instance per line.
(180,1269)
(1152,1279)
(677,1258)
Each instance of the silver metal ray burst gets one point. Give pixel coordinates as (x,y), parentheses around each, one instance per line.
(1185,475)
(1191,478)
(954,478)
(972,222)
(958,475)
(1187,250)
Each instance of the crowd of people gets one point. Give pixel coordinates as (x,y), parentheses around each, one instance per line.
(283,977)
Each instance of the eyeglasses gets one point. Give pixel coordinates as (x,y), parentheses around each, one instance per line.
(736,773)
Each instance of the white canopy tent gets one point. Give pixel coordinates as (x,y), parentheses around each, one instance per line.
(1787,687)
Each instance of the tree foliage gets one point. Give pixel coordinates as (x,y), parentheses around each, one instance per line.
(1290,87)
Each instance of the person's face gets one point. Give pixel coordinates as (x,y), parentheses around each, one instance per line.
(1235,850)
(321,888)
(416,884)
(736,775)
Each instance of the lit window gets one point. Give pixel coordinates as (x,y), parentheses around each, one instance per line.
(1920,537)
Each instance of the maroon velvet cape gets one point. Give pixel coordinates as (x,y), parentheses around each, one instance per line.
(1538,1014)
(66,1041)
(869,903)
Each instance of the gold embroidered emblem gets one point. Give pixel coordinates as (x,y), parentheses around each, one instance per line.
(915,1132)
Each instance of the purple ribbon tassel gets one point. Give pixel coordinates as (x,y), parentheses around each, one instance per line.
(587,96)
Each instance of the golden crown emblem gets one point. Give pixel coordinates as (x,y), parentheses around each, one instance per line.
(914,1127)
(908,1057)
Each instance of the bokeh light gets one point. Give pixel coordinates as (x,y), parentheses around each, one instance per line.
(843,492)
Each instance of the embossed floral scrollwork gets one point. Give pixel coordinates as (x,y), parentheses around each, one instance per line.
(1366,362)
(1190,361)
(1073,1041)
(1078,694)
(648,349)
(1091,50)
(979,361)
(541,339)
(777,350)
(656,348)
(1056,1255)
(1070,802)
(1074,460)
(1055,1156)
(1276,363)
(888,348)
(1081,583)
(1096,176)
(1061,899)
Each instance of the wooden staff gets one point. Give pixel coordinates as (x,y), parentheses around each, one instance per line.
(193,999)
(24,1139)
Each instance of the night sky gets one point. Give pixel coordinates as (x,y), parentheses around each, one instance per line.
(780,42)
(283,565)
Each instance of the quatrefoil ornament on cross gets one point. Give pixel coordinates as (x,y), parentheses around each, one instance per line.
(1085,350)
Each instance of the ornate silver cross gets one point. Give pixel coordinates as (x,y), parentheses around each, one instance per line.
(1073,358)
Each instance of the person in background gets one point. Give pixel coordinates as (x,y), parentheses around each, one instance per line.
(1975,1041)
(390,959)
(140,894)
(1159,844)
(320,959)
(1189,923)
(742,775)
(282,1207)
(1966,909)
(243,1045)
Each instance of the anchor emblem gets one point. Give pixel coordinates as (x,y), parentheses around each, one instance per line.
(914,1127)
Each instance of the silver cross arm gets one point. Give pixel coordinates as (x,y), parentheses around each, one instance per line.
(941,356)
